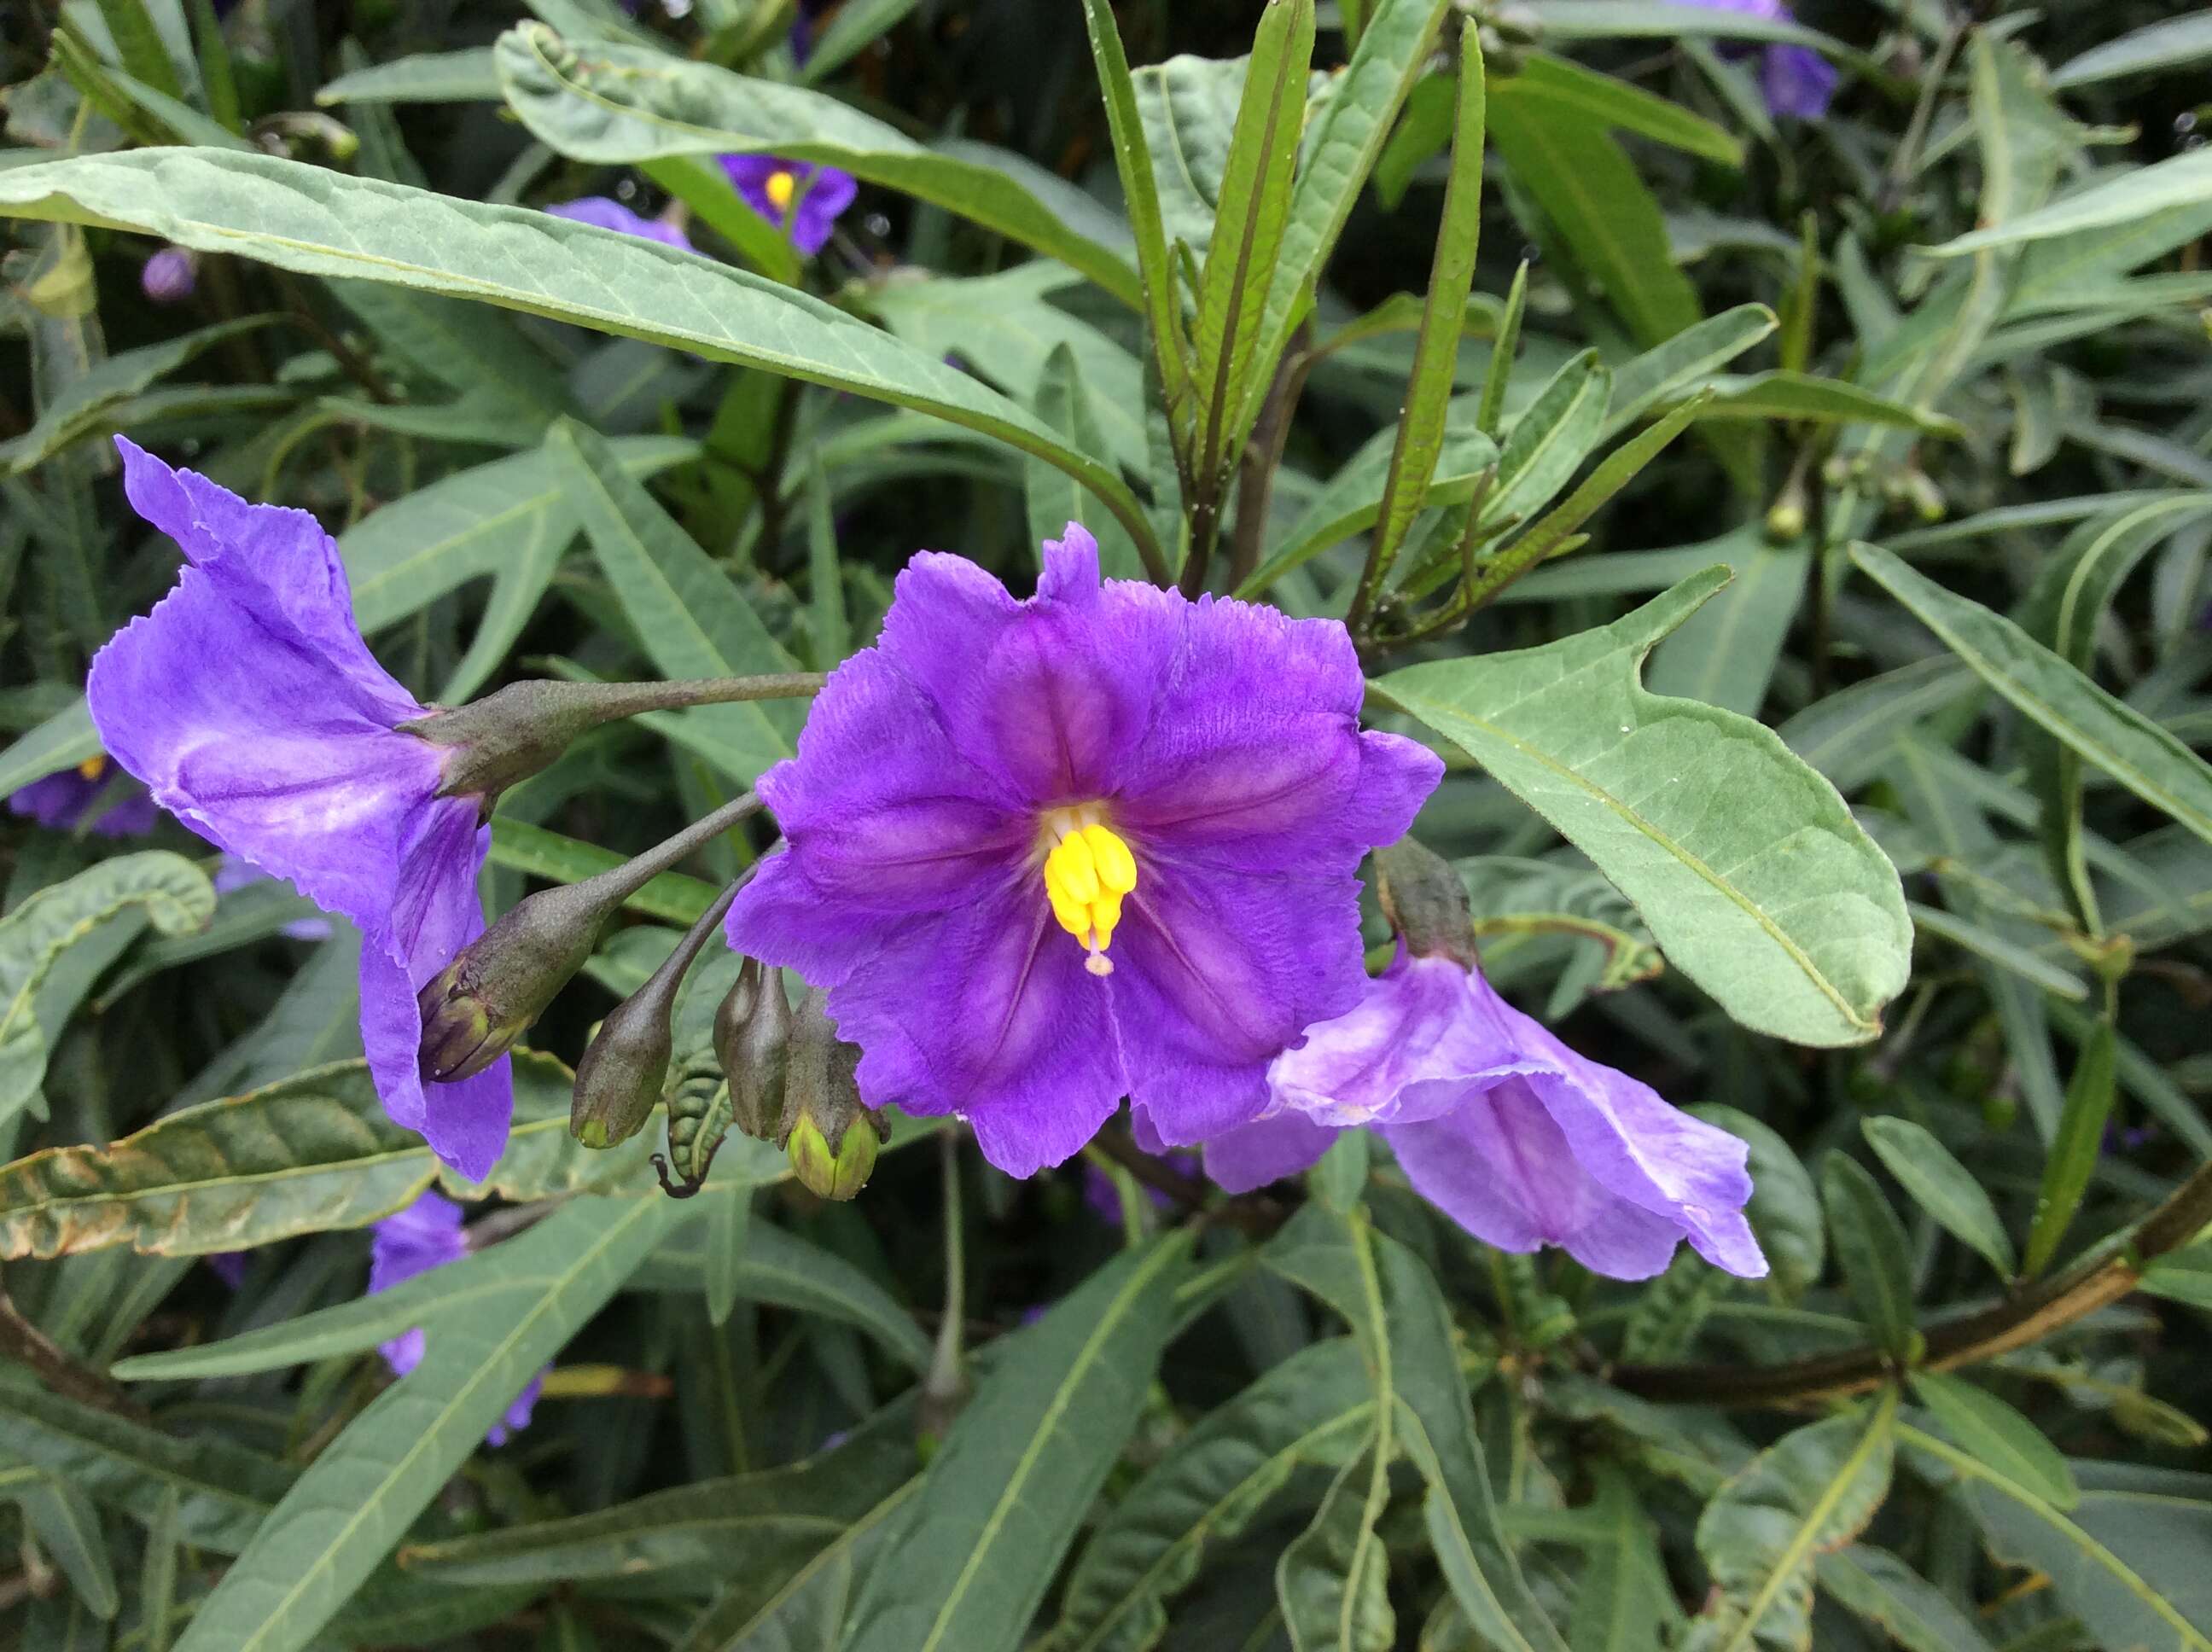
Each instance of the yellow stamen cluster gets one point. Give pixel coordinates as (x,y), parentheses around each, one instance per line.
(1086,873)
(93,767)
(781,187)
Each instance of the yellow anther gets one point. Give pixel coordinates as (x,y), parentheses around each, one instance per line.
(1117,867)
(781,187)
(1087,870)
(93,767)
(1072,868)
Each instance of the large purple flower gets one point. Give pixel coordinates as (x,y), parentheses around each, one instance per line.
(604,212)
(807,197)
(1795,80)
(1045,854)
(1519,1139)
(250,705)
(427,1234)
(81,799)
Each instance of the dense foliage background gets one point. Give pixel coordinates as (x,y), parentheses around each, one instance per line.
(1960,318)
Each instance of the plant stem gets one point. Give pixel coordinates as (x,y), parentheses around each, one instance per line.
(946,1383)
(2101,1277)
(30,1347)
(617,884)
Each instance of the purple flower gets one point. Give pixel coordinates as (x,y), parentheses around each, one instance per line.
(1795,80)
(605,213)
(810,198)
(230,1266)
(1513,1135)
(248,702)
(170,274)
(78,799)
(427,1234)
(1104,1199)
(232,873)
(999,792)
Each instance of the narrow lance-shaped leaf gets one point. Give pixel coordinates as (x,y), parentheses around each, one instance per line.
(67,1527)
(1887,1592)
(1995,1433)
(320,222)
(1333,1580)
(1942,1187)
(1780,906)
(2075,1147)
(1436,349)
(1870,1244)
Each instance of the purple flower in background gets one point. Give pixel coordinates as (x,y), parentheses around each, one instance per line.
(427,1234)
(1045,854)
(248,702)
(77,800)
(1795,80)
(605,213)
(1104,1199)
(170,274)
(232,873)
(230,1266)
(807,197)
(1513,1135)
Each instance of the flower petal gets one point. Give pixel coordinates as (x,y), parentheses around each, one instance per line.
(828,192)
(1254,1155)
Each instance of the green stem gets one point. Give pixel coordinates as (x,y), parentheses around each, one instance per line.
(946,1382)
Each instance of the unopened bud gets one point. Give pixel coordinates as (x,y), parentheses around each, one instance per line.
(752,1042)
(507,736)
(170,274)
(624,1070)
(830,1136)
(475,1009)
(1785,517)
(1426,900)
(1927,499)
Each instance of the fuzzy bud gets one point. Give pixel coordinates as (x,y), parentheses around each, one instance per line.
(507,736)
(1426,900)
(475,1009)
(624,1070)
(830,1136)
(752,1042)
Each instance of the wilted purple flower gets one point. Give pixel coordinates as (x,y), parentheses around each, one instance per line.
(607,213)
(77,800)
(1795,80)
(427,1234)
(170,274)
(999,792)
(232,873)
(248,702)
(809,198)
(1513,1135)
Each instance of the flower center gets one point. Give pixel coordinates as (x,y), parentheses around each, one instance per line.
(781,187)
(93,767)
(1087,870)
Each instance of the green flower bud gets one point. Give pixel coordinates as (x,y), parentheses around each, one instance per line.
(475,1009)
(624,1069)
(752,1042)
(830,1135)
(1426,900)
(831,1173)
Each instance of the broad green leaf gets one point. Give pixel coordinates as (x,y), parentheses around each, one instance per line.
(2142,756)
(1590,190)
(1811,398)
(225,1491)
(1726,653)
(1342,143)
(1942,1187)
(2182,180)
(778,1266)
(469,75)
(354,1503)
(1620,107)
(675,896)
(2075,1147)
(1063,401)
(1017,1470)
(851,28)
(176,897)
(809,1610)
(1779,906)
(1870,1245)
(1333,1579)
(320,222)
(622,106)
(1682,363)
(1785,1211)
(2123,1561)
(688,615)
(2155,48)
(1878,1587)
(1421,429)
(67,1527)
(1187,109)
(1313,1410)
(1979,1422)
(777,1520)
(1623,1597)
(1811,1491)
(1397,1312)
(1598,19)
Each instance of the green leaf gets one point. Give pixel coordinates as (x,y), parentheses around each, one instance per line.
(1890,1595)
(1785,1211)
(469,75)
(1683,362)
(1780,907)
(1599,20)
(2076,1146)
(1313,1410)
(67,1527)
(1815,400)
(676,897)
(1550,439)
(688,615)
(623,105)
(1063,401)
(851,28)
(1942,1187)
(778,1266)
(2133,749)
(1436,349)
(1811,1492)
(309,1154)
(319,223)
(86,407)
(1871,1247)
(1617,106)
(349,1508)
(2126,1598)
(176,896)
(1623,1597)
(1333,1578)
(2155,48)
(224,1491)
(2134,195)
(1979,1422)
(808,1611)
(1018,1469)
(144,54)
(1726,653)
(1397,1312)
